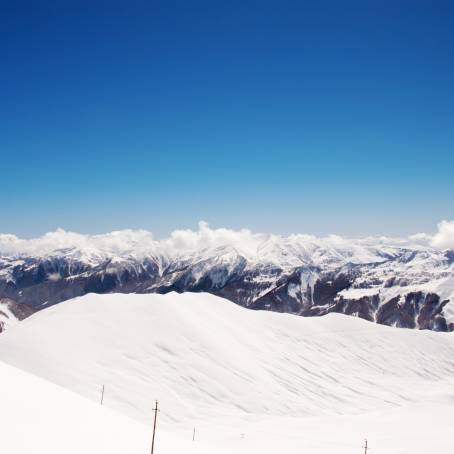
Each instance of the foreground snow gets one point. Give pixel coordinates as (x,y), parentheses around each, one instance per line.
(38,416)
(247,381)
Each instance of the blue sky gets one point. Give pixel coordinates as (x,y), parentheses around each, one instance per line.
(314,117)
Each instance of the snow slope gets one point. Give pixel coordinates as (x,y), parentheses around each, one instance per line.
(315,383)
(40,417)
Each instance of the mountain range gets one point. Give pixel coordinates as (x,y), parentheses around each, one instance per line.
(397,282)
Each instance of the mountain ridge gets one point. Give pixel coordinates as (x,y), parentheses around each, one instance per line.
(397,282)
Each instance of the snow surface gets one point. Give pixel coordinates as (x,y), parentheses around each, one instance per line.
(357,293)
(248,381)
(40,417)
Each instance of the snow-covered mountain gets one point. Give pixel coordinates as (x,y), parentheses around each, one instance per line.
(247,381)
(399,282)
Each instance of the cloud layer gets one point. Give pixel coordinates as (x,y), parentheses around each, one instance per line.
(142,241)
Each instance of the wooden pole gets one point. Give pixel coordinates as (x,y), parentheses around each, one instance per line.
(102,395)
(155,409)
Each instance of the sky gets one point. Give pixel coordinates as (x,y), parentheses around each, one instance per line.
(311,117)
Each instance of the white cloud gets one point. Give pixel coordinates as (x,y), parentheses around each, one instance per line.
(444,238)
(422,238)
(136,241)
(180,241)
(206,237)
(118,242)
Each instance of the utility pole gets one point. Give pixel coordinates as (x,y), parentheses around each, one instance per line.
(365,446)
(102,394)
(155,409)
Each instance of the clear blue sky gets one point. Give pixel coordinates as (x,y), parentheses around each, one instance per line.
(317,117)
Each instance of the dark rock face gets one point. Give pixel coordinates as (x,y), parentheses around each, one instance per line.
(364,307)
(416,310)
(392,313)
(32,284)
